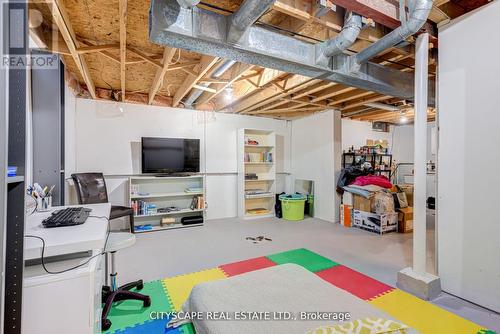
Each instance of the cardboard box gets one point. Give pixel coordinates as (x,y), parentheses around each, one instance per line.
(345,215)
(347,198)
(388,222)
(405,226)
(405,220)
(408,190)
(362,204)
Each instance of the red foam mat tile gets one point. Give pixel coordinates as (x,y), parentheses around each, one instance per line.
(245,266)
(354,282)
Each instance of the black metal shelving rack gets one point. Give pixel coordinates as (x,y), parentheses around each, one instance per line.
(13,130)
(348,159)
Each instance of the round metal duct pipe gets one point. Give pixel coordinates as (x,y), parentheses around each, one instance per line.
(188,3)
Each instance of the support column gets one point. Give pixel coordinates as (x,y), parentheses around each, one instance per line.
(415,279)
(337,158)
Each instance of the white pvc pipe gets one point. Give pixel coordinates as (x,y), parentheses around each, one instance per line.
(420,158)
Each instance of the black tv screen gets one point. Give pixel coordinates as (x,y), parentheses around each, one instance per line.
(170,155)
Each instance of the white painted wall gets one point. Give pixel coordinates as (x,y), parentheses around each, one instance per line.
(108,140)
(400,138)
(468,223)
(313,158)
(357,132)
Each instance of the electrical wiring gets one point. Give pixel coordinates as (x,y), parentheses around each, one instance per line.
(42,259)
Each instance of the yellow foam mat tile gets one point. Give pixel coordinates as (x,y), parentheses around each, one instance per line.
(179,287)
(421,315)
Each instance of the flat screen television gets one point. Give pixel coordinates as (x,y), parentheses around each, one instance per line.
(170,155)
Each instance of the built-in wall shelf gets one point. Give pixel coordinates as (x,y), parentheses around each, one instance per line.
(262,180)
(171,213)
(256,156)
(258,146)
(15,179)
(150,194)
(171,227)
(177,194)
(259,163)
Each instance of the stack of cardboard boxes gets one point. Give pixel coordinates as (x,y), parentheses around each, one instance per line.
(405,215)
(357,211)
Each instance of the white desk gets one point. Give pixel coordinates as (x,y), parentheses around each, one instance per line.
(66,240)
(69,301)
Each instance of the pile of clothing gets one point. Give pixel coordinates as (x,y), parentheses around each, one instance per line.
(376,188)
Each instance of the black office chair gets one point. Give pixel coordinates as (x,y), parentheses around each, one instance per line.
(91,189)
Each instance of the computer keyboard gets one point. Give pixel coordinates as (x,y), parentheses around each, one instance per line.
(67,217)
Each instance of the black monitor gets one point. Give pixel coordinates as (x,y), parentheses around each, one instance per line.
(170,155)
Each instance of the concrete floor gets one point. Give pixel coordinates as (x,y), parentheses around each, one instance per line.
(173,252)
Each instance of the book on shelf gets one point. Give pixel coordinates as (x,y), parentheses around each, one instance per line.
(198,203)
(258,157)
(194,190)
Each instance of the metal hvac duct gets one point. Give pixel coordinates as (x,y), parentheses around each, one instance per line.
(247,14)
(188,3)
(203,31)
(419,12)
(346,38)
(196,93)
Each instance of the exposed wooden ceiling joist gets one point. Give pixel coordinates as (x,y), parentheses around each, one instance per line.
(63,23)
(205,65)
(122,8)
(168,54)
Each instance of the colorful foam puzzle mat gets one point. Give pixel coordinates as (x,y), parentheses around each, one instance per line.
(129,317)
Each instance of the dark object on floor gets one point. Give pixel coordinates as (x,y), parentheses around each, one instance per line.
(349,174)
(277,207)
(258,239)
(122,293)
(67,217)
(91,189)
(192,220)
(431,203)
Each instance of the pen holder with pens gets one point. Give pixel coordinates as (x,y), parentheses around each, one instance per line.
(44,203)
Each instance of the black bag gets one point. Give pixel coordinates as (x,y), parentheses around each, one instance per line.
(277,207)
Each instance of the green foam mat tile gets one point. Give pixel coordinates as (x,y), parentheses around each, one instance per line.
(305,258)
(130,312)
(187,329)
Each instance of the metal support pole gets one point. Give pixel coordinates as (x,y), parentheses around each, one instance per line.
(420,177)
(112,275)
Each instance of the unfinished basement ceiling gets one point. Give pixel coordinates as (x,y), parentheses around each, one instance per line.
(105,46)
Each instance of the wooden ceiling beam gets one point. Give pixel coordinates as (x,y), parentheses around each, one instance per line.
(332,92)
(206,63)
(97,48)
(300,94)
(343,98)
(122,10)
(236,72)
(145,57)
(290,85)
(168,54)
(363,101)
(62,21)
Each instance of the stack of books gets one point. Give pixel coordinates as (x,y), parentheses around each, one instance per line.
(259,157)
(198,203)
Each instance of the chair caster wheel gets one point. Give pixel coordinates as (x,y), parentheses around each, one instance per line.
(147,302)
(106,324)
(140,286)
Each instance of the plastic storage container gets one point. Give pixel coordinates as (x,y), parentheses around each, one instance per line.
(293,206)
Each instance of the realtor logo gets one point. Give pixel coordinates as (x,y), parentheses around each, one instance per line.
(17,24)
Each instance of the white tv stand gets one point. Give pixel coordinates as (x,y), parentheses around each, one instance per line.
(166,191)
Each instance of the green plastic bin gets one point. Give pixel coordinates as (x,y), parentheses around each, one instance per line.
(293,206)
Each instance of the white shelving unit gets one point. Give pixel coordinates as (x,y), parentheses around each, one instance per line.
(166,192)
(256,155)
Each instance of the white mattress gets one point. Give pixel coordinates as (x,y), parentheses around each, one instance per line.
(284,288)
